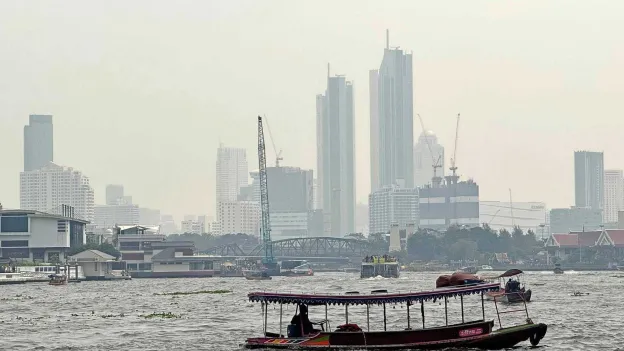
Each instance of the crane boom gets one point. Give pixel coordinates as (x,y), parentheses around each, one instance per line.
(278,155)
(264,199)
(454,159)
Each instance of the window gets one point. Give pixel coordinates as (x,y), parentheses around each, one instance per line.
(16,253)
(14,243)
(16,223)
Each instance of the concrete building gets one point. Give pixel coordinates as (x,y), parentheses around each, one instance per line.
(336,155)
(96,265)
(239,217)
(613,195)
(449,204)
(232,173)
(108,216)
(114,194)
(399,235)
(526,215)
(168,225)
(192,227)
(574,219)
(392,120)
(423,162)
(38,142)
(589,179)
(391,206)
(43,237)
(51,186)
(149,217)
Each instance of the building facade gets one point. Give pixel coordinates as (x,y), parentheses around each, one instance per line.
(149,217)
(108,216)
(613,195)
(589,179)
(231,173)
(48,188)
(423,162)
(192,226)
(574,219)
(38,142)
(392,120)
(505,215)
(449,204)
(38,236)
(114,194)
(336,155)
(239,217)
(392,206)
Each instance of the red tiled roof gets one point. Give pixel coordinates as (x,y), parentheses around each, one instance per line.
(617,236)
(588,239)
(576,239)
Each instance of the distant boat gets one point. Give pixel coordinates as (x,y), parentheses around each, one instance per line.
(469,270)
(558,269)
(257,275)
(486,267)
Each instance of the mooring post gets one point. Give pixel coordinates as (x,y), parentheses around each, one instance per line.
(384,309)
(408,315)
(461,298)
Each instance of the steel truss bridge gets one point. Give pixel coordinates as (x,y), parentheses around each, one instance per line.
(328,247)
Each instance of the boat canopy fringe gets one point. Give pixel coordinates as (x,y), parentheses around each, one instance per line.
(373,299)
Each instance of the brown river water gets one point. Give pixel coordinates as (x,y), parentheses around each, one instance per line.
(110,315)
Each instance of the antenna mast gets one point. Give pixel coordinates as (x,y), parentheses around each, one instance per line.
(453,167)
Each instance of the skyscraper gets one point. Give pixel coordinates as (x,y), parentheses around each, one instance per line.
(392,120)
(336,161)
(38,142)
(232,173)
(47,188)
(589,179)
(423,162)
(114,193)
(613,195)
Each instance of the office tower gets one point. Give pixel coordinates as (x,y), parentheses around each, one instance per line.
(336,162)
(392,120)
(108,216)
(589,179)
(48,188)
(38,142)
(232,173)
(423,162)
(392,205)
(613,195)
(114,194)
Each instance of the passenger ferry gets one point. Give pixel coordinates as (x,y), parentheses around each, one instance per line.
(384,266)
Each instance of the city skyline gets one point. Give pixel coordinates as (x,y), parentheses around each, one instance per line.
(520,133)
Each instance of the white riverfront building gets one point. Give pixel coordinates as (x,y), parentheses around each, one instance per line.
(238,217)
(390,206)
(49,187)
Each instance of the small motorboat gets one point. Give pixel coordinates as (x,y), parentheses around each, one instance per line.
(511,291)
(486,267)
(578,293)
(558,269)
(57,279)
(469,270)
(257,275)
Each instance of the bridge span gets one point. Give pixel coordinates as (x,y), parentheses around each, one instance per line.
(302,248)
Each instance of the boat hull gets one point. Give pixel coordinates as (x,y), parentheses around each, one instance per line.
(474,335)
(501,296)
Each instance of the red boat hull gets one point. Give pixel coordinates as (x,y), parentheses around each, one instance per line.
(475,334)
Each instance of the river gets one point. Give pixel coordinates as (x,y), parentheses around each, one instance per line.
(110,315)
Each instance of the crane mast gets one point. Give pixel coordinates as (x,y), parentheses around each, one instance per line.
(265,228)
(453,165)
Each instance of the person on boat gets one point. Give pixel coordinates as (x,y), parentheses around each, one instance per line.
(302,322)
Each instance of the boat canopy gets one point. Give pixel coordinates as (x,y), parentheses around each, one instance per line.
(510,273)
(372,299)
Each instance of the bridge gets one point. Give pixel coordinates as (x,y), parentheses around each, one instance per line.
(313,247)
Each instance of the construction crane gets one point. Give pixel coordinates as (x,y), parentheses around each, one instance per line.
(453,167)
(268,260)
(278,155)
(435,161)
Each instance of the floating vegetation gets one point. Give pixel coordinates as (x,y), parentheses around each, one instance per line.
(178,293)
(17,298)
(166,315)
(113,315)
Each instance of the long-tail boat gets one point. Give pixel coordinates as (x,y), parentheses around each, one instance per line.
(302,335)
(513,291)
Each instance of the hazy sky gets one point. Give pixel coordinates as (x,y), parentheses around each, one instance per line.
(142,92)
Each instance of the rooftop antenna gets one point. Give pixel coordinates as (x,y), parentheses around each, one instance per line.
(387,38)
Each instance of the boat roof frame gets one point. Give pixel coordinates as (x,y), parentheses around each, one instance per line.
(371,299)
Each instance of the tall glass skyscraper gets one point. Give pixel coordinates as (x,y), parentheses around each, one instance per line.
(392,120)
